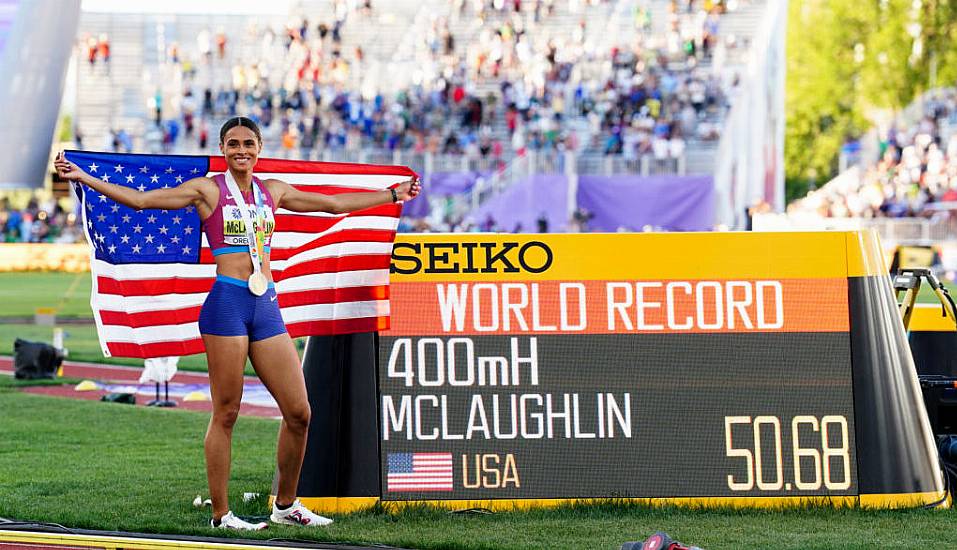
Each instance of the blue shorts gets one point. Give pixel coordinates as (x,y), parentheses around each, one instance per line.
(232,310)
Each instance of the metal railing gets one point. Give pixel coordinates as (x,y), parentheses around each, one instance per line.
(532,162)
(646,165)
(912,230)
(940,226)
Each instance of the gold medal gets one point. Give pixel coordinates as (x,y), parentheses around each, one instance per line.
(258,283)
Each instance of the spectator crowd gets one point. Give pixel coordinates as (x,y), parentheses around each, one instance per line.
(38,222)
(916,170)
(487,78)
(479,80)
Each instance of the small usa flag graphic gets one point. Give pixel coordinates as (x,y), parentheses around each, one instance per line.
(419,472)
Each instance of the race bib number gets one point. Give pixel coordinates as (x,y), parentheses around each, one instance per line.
(234,230)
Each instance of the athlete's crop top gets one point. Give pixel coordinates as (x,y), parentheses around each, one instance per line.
(224,228)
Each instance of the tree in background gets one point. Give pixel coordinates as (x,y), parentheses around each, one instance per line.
(849,63)
(821,87)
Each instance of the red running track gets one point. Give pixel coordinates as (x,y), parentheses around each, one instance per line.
(116,373)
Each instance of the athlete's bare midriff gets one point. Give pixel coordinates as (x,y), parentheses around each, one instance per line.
(239,266)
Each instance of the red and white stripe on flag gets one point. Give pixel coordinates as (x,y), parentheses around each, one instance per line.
(331,271)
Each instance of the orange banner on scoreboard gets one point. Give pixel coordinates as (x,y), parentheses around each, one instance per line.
(619,307)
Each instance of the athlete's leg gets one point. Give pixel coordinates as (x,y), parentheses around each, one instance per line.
(226,357)
(277,364)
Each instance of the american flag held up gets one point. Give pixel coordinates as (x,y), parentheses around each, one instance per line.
(419,472)
(152,269)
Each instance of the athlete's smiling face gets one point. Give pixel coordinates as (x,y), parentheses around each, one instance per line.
(241,148)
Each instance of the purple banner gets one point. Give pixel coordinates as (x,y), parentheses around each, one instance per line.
(524,203)
(629,203)
(441,184)
(452,183)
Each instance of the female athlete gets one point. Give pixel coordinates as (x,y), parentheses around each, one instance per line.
(240,317)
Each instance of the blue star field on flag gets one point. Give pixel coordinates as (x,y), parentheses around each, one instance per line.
(121,234)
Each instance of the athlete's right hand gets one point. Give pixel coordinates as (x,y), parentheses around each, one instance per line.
(67,170)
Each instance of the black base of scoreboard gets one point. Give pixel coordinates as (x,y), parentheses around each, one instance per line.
(342,451)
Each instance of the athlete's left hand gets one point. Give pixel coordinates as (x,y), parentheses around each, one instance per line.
(408,190)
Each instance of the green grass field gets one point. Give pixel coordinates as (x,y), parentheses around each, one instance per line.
(22,293)
(82,343)
(69,294)
(109,466)
(8,381)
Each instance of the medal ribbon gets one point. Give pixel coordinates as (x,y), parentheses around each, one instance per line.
(255,238)
(260,223)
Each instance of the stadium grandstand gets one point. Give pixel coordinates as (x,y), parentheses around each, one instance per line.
(478,97)
(899,178)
